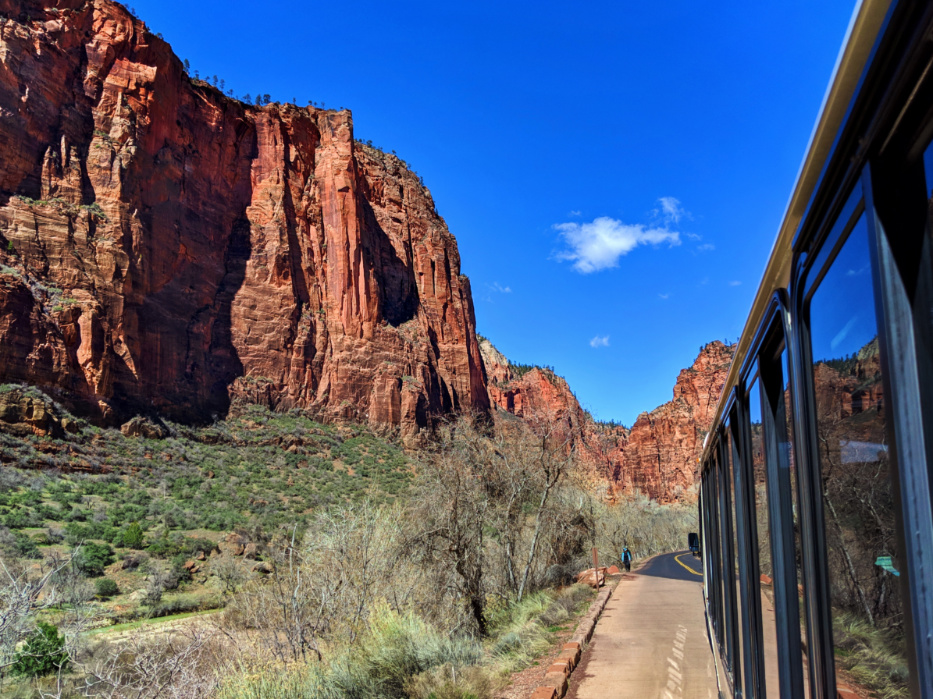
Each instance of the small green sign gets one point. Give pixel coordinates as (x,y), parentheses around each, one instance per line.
(885,563)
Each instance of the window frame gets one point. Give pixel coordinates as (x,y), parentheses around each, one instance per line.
(775,334)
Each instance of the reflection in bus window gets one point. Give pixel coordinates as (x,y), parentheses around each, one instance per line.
(785,436)
(858,503)
(770,682)
(738,660)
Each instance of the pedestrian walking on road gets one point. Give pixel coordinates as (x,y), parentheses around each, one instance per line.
(627,558)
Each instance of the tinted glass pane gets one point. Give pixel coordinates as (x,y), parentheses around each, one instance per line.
(857,495)
(769,683)
(725,565)
(735,577)
(788,462)
(715,572)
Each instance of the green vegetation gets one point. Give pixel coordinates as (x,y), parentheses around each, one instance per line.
(106,588)
(345,568)
(401,656)
(259,469)
(64,205)
(519,370)
(42,654)
(92,558)
(874,657)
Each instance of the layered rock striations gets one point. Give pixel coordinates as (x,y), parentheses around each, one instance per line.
(657,457)
(165,248)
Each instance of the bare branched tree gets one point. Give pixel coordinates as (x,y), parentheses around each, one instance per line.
(179,664)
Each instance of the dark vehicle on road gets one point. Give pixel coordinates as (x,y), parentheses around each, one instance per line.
(693,542)
(815,497)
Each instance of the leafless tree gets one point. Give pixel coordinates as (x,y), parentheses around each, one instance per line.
(178,664)
(24,592)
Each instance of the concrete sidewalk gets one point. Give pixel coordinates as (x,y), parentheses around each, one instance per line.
(650,642)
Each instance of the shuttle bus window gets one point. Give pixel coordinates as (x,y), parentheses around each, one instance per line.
(734,577)
(784,431)
(783,504)
(708,538)
(714,550)
(858,501)
(769,683)
(724,560)
(730,606)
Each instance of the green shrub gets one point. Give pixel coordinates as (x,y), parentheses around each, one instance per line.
(182,604)
(106,588)
(22,517)
(26,546)
(296,682)
(395,649)
(163,547)
(92,558)
(134,537)
(447,682)
(42,654)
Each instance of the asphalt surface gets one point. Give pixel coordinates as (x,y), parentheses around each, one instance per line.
(651,638)
(681,565)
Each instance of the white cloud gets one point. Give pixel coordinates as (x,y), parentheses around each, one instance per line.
(496,286)
(664,296)
(735,283)
(706,247)
(670,210)
(600,341)
(575,213)
(600,244)
(693,236)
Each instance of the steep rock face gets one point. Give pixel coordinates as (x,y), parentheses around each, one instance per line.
(656,457)
(167,249)
(660,457)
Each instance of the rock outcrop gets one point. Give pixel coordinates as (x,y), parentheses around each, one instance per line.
(660,455)
(166,249)
(657,457)
(25,411)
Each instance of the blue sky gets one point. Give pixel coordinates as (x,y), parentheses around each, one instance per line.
(614,174)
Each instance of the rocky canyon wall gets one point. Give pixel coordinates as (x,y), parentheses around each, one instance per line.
(656,457)
(165,248)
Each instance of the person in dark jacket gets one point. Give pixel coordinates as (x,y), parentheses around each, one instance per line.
(627,558)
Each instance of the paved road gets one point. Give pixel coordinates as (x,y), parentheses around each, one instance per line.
(651,639)
(676,566)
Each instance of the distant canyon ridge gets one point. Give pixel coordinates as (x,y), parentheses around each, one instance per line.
(167,250)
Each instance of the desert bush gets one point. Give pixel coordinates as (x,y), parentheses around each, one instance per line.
(106,588)
(302,681)
(92,558)
(323,587)
(395,649)
(230,573)
(185,664)
(133,537)
(42,654)
(447,682)
(182,604)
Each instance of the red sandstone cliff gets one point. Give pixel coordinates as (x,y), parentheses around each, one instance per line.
(166,248)
(663,446)
(656,457)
